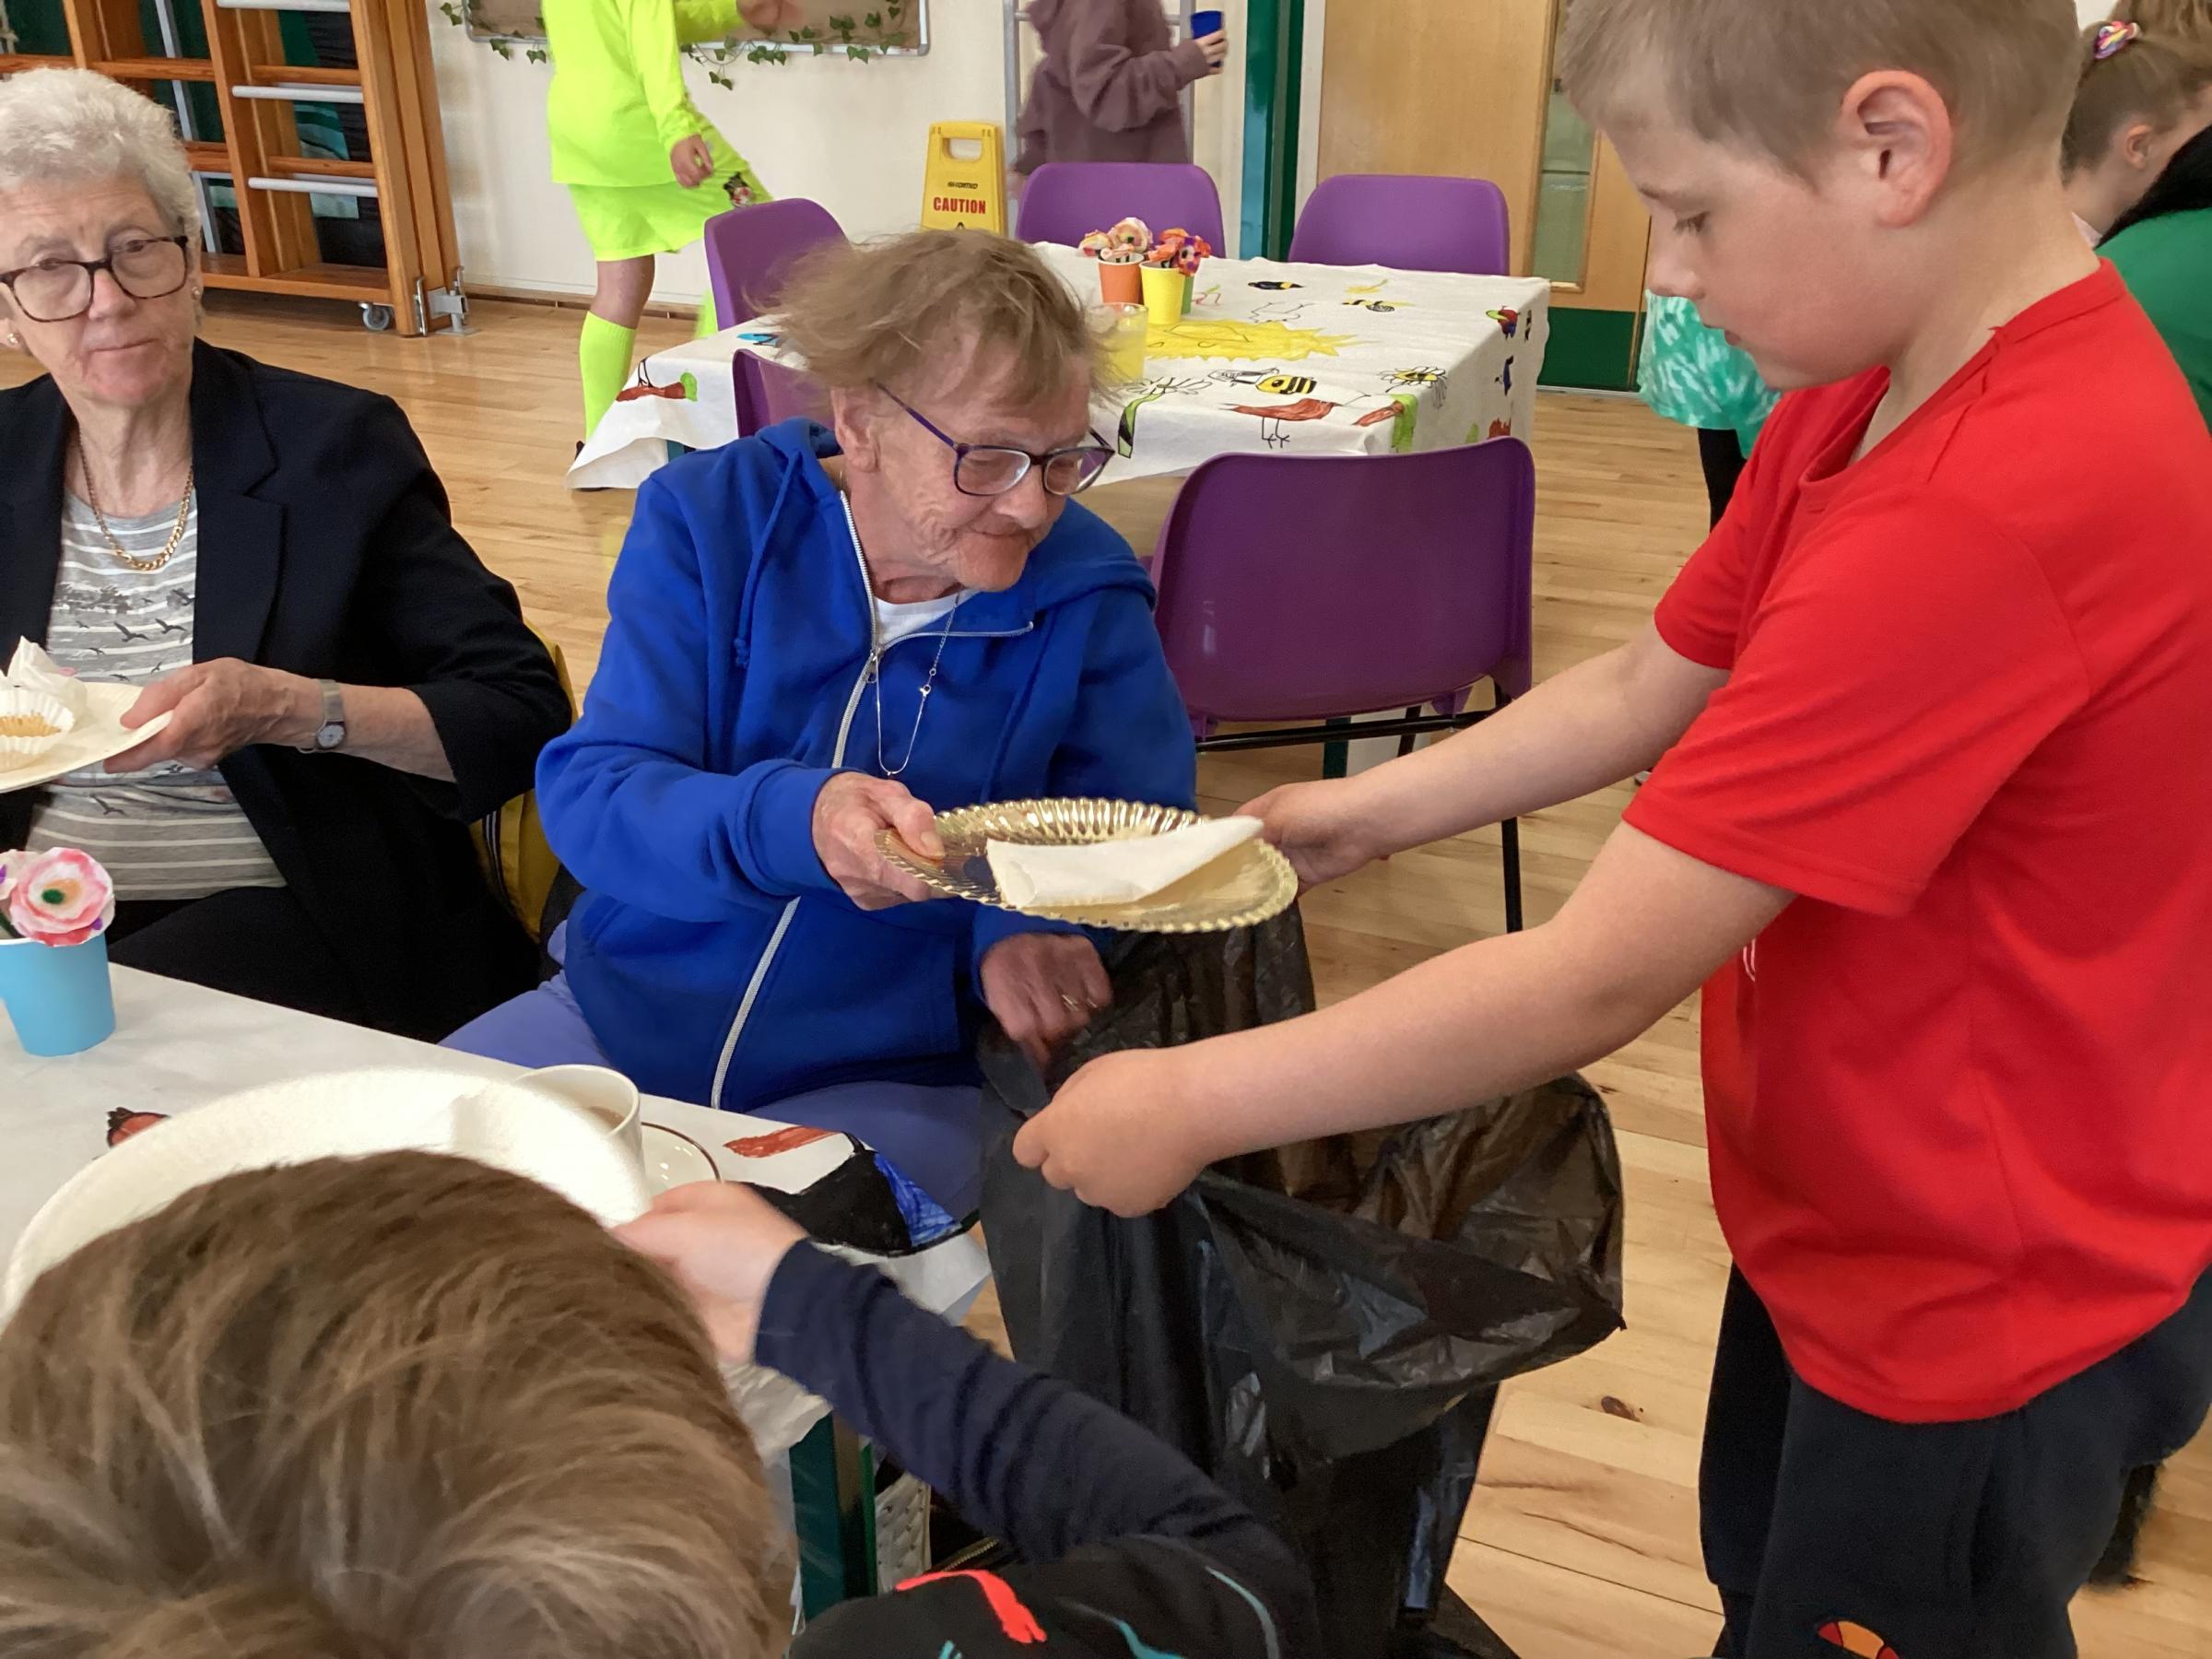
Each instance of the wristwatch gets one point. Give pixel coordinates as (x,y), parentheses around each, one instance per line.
(331,734)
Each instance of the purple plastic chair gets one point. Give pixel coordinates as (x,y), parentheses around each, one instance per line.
(1311,588)
(766,393)
(1407,222)
(748,249)
(1065,201)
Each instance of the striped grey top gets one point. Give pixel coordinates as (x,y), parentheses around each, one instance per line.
(168,831)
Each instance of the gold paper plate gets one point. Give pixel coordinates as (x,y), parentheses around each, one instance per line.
(1240,889)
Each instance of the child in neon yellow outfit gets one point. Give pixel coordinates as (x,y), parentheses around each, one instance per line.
(645,169)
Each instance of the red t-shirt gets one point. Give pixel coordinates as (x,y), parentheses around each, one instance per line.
(1960,1123)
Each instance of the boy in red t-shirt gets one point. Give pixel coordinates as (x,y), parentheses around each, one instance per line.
(1932,705)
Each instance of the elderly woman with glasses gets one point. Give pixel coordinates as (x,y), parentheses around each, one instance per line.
(820,636)
(269,557)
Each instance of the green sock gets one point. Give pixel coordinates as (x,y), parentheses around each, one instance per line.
(706,316)
(604,353)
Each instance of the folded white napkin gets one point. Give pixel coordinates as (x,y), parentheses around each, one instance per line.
(31,669)
(1117,871)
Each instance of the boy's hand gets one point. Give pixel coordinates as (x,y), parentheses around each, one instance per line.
(723,1245)
(1120,1133)
(1216,47)
(691,161)
(1318,827)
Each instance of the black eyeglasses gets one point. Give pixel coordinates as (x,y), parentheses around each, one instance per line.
(992,469)
(144,267)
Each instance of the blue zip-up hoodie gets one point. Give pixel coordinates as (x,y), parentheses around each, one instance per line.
(712,954)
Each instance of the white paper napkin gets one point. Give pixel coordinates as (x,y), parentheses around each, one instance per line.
(1119,872)
(33,670)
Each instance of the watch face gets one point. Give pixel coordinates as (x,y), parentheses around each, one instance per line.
(330,736)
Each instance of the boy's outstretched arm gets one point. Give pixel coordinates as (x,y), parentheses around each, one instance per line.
(1131,1131)
(1579,730)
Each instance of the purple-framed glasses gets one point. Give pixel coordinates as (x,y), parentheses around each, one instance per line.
(991,469)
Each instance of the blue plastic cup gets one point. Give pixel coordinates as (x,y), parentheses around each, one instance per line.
(57,996)
(1204,23)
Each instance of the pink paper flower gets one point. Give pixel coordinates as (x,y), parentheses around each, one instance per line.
(58,898)
(1095,243)
(1131,236)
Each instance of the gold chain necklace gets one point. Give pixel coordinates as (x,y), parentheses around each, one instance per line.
(144,566)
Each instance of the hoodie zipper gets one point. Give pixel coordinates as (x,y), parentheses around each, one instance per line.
(869,671)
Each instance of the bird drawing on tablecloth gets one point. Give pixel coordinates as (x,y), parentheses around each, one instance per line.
(1507,319)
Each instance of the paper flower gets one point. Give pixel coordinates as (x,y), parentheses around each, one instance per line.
(1180,250)
(1130,237)
(61,897)
(1095,245)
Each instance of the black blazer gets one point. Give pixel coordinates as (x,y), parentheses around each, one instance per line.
(326,549)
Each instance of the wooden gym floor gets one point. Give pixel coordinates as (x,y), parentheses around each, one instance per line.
(1582,1541)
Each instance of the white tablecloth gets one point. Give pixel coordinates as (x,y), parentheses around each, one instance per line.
(1274,359)
(178,1045)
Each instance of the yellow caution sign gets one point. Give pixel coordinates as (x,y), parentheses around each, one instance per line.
(964,187)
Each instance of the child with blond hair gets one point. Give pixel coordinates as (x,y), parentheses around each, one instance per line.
(1922,817)
(2140,141)
(2141,98)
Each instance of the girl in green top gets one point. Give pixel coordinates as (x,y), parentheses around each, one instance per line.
(645,169)
(2164,251)
(1691,374)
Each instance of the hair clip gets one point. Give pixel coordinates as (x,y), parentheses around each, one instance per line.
(2115,38)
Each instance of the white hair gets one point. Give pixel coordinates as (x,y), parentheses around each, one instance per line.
(71,126)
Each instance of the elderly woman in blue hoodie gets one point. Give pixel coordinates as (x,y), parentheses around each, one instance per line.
(815,636)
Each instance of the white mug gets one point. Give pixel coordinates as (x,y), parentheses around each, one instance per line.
(610,1098)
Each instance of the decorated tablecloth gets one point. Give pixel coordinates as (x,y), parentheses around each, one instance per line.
(177,1046)
(1272,359)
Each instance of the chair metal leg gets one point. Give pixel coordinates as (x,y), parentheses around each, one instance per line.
(1509,839)
(1406,743)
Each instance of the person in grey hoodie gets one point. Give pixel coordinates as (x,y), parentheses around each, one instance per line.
(1110,85)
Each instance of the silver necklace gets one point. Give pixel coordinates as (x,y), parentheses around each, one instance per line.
(928,684)
(877,647)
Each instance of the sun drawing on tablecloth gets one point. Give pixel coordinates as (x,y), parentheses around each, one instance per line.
(1244,342)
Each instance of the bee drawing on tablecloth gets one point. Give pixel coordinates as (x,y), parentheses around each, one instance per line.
(1151,391)
(1275,285)
(1276,419)
(1419,380)
(1374,305)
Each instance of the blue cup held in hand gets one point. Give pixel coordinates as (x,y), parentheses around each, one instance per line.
(1204,23)
(58,996)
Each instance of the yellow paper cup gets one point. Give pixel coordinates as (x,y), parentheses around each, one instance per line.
(1165,291)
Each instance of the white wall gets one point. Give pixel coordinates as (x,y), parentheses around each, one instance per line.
(2093,11)
(850,135)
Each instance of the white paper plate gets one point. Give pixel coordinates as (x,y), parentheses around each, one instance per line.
(99,736)
(341,1115)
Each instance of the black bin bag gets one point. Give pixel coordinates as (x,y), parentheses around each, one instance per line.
(1322,1327)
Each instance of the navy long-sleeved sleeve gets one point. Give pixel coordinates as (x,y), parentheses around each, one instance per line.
(1120,1530)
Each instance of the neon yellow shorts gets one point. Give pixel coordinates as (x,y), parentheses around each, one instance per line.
(630,221)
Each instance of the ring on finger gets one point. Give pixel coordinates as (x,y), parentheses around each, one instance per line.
(1073,1006)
